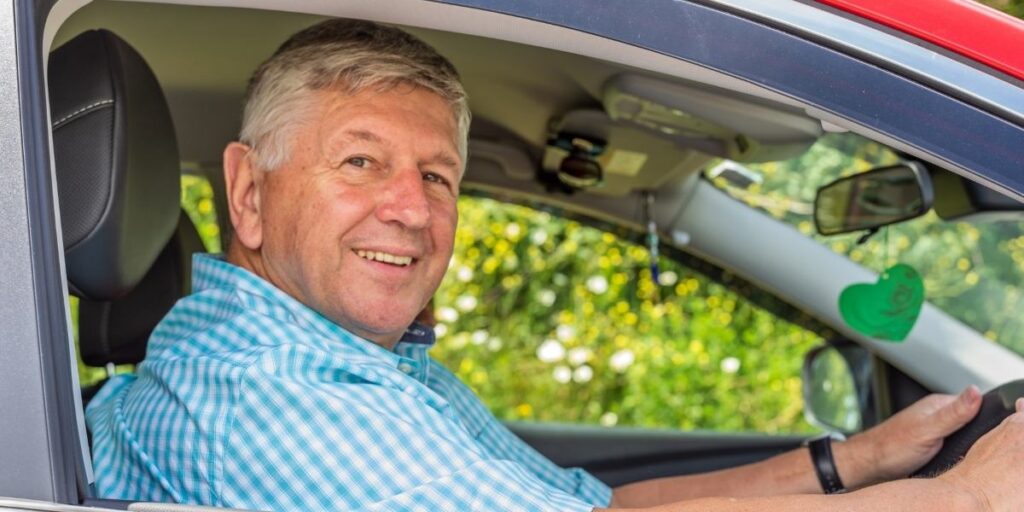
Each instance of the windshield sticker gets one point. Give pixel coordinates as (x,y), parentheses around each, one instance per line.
(886,309)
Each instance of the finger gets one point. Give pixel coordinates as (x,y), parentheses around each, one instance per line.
(1020,405)
(960,410)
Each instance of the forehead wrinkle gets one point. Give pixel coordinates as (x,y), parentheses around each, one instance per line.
(365,136)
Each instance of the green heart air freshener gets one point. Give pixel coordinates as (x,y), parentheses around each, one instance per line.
(887,309)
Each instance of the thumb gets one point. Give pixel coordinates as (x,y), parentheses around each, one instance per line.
(959,411)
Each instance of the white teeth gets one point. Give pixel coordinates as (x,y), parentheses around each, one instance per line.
(385,257)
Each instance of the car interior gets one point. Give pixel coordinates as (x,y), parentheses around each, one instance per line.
(138,92)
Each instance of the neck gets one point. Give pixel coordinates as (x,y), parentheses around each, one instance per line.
(252,261)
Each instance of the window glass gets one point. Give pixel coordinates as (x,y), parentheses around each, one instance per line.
(971,270)
(548,319)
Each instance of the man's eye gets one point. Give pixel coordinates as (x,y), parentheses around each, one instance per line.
(435,178)
(358,161)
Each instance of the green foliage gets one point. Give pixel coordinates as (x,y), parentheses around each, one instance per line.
(197,201)
(1011,7)
(551,320)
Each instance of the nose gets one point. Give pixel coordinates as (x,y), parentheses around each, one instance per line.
(404,200)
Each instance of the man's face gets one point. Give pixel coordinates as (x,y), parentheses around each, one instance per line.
(359,224)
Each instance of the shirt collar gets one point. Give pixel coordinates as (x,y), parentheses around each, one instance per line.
(419,334)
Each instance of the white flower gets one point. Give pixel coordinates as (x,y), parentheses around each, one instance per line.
(440,330)
(494,344)
(466,303)
(609,419)
(512,230)
(583,374)
(539,237)
(668,278)
(579,355)
(562,374)
(622,360)
(464,274)
(730,365)
(546,297)
(597,284)
(447,314)
(565,332)
(551,351)
(479,337)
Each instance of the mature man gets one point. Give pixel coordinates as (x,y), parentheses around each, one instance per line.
(292,380)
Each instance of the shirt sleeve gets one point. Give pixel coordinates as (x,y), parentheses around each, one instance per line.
(335,442)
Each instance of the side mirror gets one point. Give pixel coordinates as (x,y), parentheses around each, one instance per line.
(873,199)
(836,383)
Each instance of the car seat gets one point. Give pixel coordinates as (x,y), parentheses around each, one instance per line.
(127,244)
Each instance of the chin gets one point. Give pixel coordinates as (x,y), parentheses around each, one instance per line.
(392,325)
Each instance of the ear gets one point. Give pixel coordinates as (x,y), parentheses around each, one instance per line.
(243,189)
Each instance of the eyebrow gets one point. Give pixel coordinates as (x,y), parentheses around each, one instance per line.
(364,135)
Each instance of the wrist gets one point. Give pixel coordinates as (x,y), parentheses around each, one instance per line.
(857,462)
(970,497)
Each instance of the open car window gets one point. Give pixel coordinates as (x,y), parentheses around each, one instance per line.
(972,270)
(550,319)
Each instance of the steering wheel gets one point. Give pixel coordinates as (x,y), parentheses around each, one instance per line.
(996,405)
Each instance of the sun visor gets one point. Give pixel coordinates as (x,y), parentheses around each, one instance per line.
(712,122)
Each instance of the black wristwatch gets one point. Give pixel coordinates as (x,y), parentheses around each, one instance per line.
(823,462)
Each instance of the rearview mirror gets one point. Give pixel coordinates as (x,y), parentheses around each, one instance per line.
(873,199)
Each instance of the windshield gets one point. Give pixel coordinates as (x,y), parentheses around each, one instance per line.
(971,270)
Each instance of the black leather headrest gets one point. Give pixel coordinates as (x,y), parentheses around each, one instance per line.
(117,331)
(118,174)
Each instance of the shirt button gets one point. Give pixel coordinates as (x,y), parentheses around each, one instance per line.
(405,367)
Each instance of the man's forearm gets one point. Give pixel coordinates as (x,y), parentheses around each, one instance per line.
(923,495)
(789,473)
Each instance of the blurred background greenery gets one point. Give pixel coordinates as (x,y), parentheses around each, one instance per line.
(1012,7)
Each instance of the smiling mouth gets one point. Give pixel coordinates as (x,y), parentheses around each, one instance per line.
(385,257)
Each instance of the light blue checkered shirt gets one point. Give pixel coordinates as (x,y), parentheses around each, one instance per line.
(249,399)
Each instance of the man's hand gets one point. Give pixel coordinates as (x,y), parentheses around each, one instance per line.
(905,442)
(992,471)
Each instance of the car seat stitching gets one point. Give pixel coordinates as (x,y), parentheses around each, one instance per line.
(68,118)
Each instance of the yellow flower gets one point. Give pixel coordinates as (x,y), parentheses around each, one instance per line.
(524,410)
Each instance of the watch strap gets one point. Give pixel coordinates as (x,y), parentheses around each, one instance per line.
(825,465)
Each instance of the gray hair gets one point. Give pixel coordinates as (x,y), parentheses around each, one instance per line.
(347,56)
